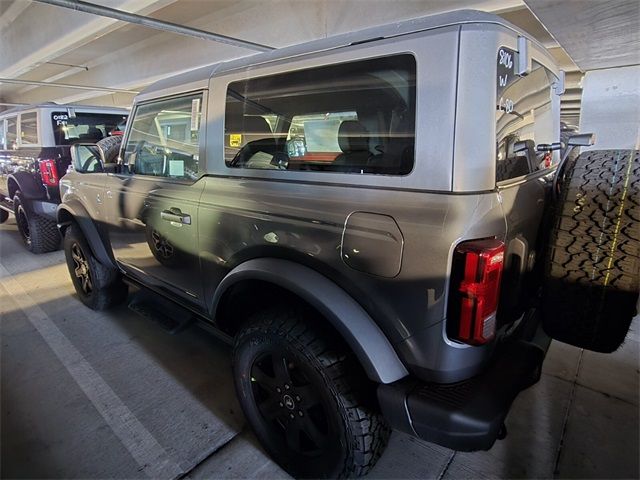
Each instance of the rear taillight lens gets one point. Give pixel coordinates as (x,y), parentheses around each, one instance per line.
(475,290)
(49,172)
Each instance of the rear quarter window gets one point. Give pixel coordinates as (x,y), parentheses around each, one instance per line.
(356,117)
(12,133)
(29,128)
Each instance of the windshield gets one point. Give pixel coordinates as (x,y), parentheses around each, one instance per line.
(85,127)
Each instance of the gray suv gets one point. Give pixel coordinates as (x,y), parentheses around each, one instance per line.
(360,216)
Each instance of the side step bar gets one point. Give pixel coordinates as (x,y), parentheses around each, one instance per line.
(469,415)
(171,317)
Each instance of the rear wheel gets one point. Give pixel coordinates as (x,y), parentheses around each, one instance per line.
(4,215)
(98,287)
(308,402)
(592,276)
(39,234)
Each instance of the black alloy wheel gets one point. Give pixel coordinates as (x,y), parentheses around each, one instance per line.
(306,396)
(82,269)
(23,225)
(291,404)
(98,286)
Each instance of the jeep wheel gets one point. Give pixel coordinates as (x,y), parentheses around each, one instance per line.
(4,215)
(99,287)
(39,234)
(592,276)
(305,399)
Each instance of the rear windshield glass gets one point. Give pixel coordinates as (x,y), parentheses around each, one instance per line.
(85,127)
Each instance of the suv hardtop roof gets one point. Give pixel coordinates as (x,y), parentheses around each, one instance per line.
(198,78)
(56,106)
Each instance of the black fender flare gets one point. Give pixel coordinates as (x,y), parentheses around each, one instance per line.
(26,184)
(73,210)
(373,349)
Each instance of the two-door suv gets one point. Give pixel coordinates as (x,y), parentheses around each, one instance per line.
(362,216)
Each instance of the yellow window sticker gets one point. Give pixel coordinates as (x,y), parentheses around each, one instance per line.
(235,140)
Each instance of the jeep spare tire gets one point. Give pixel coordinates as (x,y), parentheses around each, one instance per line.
(592,269)
(110,147)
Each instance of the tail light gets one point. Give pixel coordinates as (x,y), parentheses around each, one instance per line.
(475,290)
(49,172)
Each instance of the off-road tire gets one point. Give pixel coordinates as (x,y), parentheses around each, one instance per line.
(106,286)
(110,147)
(592,275)
(39,234)
(4,215)
(357,433)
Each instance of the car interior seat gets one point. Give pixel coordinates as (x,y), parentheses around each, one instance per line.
(353,139)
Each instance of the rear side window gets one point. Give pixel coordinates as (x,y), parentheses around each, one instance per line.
(12,133)
(72,127)
(164,138)
(29,128)
(354,117)
(524,117)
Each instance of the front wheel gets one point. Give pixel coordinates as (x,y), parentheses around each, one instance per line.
(308,402)
(98,286)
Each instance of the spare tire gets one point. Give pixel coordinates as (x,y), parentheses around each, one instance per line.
(592,269)
(110,147)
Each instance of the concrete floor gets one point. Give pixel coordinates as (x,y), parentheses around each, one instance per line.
(110,395)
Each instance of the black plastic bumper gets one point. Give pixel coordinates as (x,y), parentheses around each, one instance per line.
(468,415)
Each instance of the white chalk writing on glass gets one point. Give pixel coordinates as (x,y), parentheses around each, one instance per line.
(506,59)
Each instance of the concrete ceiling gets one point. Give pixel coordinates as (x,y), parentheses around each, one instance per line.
(596,34)
(71,47)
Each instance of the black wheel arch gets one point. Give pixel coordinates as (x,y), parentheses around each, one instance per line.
(26,184)
(365,338)
(74,212)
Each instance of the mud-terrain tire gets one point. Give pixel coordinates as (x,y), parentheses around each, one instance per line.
(4,215)
(592,275)
(99,287)
(39,234)
(306,397)
(110,147)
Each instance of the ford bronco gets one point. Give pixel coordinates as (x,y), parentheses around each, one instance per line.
(363,217)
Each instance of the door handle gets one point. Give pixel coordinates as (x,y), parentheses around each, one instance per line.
(175,215)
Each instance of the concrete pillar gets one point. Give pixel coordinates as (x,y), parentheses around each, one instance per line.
(611,107)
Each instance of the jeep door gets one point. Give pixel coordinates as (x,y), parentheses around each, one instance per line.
(153,200)
(526,116)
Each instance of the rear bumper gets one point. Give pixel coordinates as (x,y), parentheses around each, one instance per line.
(468,415)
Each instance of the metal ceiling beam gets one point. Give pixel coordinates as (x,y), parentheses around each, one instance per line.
(66,85)
(116,14)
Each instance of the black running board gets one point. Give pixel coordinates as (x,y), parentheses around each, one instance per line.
(469,415)
(171,317)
